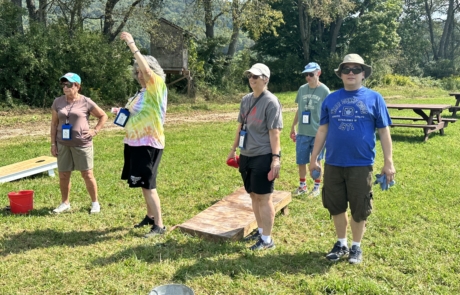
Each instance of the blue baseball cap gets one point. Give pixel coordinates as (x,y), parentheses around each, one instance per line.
(311,67)
(71,77)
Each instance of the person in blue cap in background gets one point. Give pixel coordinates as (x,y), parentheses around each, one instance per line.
(309,99)
(72,138)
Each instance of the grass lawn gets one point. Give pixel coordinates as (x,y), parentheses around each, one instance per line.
(409,246)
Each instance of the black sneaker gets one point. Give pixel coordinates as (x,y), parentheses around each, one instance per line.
(146,221)
(356,255)
(260,245)
(254,236)
(337,252)
(155,231)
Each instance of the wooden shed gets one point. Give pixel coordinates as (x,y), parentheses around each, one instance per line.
(169,47)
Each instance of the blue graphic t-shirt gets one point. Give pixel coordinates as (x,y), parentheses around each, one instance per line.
(353,117)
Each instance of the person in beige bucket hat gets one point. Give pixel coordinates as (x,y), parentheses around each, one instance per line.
(354,58)
(349,118)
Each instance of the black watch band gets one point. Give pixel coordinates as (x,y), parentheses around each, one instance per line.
(276,155)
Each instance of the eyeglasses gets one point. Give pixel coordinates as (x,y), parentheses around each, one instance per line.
(355,71)
(309,74)
(66,84)
(255,77)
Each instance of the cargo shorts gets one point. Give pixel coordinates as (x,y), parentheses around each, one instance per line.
(348,185)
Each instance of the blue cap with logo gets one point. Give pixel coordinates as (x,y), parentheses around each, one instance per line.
(71,77)
(311,67)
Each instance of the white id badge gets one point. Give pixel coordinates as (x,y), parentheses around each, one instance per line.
(66,132)
(306,117)
(242,143)
(122,117)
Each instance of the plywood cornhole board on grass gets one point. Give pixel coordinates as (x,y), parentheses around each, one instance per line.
(232,217)
(27,168)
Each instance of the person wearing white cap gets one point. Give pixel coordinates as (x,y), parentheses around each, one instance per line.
(309,99)
(258,138)
(349,118)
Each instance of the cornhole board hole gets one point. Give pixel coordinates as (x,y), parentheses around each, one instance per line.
(27,168)
(232,217)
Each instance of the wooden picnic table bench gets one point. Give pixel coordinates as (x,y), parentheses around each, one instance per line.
(434,120)
(456,107)
(27,168)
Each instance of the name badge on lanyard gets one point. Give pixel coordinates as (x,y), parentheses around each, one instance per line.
(67,131)
(306,117)
(122,117)
(243,135)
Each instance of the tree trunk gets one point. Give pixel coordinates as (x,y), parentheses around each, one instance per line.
(18,3)
(335,33)
(236,29)
(108,17)
(444,42)
(208,20)
(305,29)
(430,28)
(42,14)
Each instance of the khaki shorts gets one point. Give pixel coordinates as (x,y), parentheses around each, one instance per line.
(343,185)
(74,158)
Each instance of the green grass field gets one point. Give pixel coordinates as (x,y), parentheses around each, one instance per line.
(409,246)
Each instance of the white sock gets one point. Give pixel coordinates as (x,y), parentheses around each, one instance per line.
(343,242)
(261,230)
(266,239)
(356,243)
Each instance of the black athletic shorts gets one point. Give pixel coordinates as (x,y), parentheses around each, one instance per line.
(141,166)
(254,171)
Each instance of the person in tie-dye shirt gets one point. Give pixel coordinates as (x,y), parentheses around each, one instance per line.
(145,139)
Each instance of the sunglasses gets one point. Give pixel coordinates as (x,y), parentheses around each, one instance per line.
(355,71)
(67,84)
(255,77)
(309,74)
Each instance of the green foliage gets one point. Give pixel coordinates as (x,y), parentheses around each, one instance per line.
(33,63)
(440,68)
(10,16)
(451,83)
(397,80)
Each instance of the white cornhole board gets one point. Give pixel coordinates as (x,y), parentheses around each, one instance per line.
(27,168)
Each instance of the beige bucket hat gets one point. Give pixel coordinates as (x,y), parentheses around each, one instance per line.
(259,69)
(355,59)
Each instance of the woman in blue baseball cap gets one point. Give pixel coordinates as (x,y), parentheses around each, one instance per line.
(72,138)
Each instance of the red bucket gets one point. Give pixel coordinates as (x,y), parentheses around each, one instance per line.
(21,202)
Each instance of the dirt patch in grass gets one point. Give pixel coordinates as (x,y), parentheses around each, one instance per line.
(37,124)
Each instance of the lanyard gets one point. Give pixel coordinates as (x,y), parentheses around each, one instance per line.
(250,109)
(68,112)
(311,95)
(134,97)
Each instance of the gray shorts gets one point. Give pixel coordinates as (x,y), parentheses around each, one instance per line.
(343,185)
(74,158)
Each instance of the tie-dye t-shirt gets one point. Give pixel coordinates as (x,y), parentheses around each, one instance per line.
(147,115)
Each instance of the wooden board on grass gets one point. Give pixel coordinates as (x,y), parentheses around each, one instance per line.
(232,217)
(27,168)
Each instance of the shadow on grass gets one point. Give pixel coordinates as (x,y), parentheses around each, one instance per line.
(200,258)
(25,241)
(409,137)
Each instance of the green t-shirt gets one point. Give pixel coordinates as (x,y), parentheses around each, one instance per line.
(310,99)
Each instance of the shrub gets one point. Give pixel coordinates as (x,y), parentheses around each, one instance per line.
(397,80)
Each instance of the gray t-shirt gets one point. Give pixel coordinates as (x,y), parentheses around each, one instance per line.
(310,99)
(78,114)
(265,115)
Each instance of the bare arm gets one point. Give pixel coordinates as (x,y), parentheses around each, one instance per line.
(387,148)
(53,132)
(102,118)
(320,140)
(143,66)
(294,123)
(276,148)
(235,144)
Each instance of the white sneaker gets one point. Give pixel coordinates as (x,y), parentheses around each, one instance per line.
(300,191)
(314,193)
(61,208)
(95,208)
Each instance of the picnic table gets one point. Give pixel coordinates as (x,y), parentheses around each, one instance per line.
(456,107)
(433,120)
